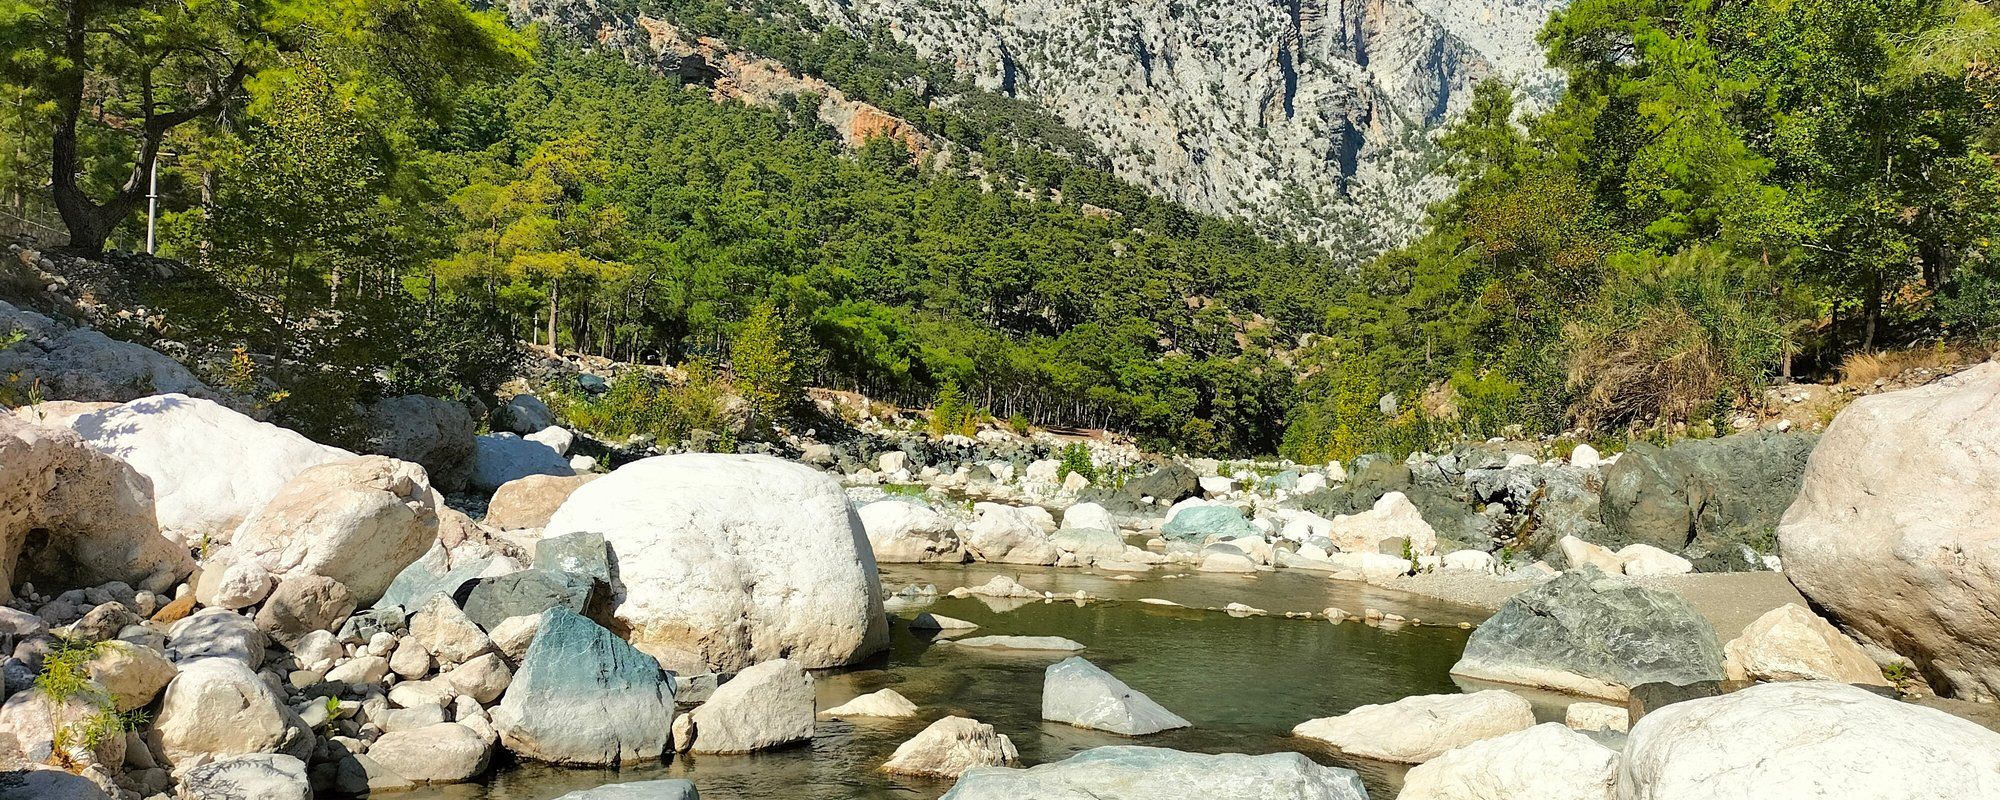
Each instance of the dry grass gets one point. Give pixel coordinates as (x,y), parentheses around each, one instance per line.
(1862,370)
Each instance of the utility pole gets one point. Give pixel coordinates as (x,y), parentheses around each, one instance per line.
(152,200)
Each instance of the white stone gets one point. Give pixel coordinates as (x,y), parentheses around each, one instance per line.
(131,674)
(1585,456)
(232,582)
(1080,693)
(556,437)
(501,458)
(1807,740)
(91,516)
(358,521)
(949,747)
(1790,643)
(1419,728)
(1050,643)
(217,707)
(764,706)
(1090,516)
(1392,517)
(262,776)
(1587,716)
(446,752)
(1478,561)
(1647,561)
(905,533)
(1545,762)
(447,633)
(892,461)
(528,502)
(1580,552)
(882,703)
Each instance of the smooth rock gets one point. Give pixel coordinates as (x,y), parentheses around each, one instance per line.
(1080,693)
(1419,728)
(1589,634)
(357,521)
(303,604)
(92,515)
(882,703)
(639,790)
(1545,762)
(259,776)
(443,753)
(764,706)
(906,533)
(447,633)
(431,432)
(1597,717)
(502,458)
(949,747)
(131,674)
(528,502)
(1006,534)
(1045,643)
(584,696)
(1152,773)
(1790,643)
(217,707)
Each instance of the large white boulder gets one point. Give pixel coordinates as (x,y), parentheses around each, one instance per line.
(359,521)
(1006,534)
(210,467)
(94,511)
(1091,516)
(1807,740)
(949,747)
(1153,773)
(1392,517)
(765,706)
(445,752)
(1790,643)
(728,560)
(1893,533)
(217,707)
(1545,762)
(1080,693)
(1419,728)
(905,533)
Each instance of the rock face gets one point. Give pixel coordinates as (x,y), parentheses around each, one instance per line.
(908,533)
(217,707)
(1790,643)
(1893,533)
(429,431)
(1783,740)
(1588,634)
(1151,773)
(72,516)
(73,363)
(1416,729)
(210,467)
(584,696)
(728,560)
(529,502)
(1077,692)
(1545,762)
(359,521)
(765,706)
(949,747)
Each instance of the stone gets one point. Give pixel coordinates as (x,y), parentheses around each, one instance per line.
(514,635)
(1198,523)
(1003,586)
(882,703)
(30,722)
(522,414)
(939,622)
(38,782)
(231,582)
(1647,561)
(1079,693)
(1049,643)
(1416,729)
(258,776)
(216,632)
(529,501)
(68,362)
(1893,535)
(767,705)
(949,747)
(638,790)
(1477,561)
(1169,484)
(1720,491)
(1545,762)
(217,707)
(410,660)
(1151,773)
(1006,534)
(1807,739)
(483,678)
(1597,717)
(91,515)
(901,532)
(502,458)
(1392,517)
(447,633)
(131,674)
(360,671)
(584,696)
(1090,544)
(1088,516)
(443,753)
(1593,635)
(304,604)
(432,575)
(1578,553)
(1790,643)
(1227,562)
(490,601)
(210,467)
(583,554)
(358,521)
(728,560)
(556,437)
(431,432)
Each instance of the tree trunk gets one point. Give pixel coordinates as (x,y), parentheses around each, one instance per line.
(553,286)
(1873,309)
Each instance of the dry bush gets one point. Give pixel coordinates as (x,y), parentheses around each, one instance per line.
(1862,370)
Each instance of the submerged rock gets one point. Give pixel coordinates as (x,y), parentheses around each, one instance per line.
(1152,773)
(1590,634)
(1080,693)
(949,747)
(1048,643)
(1809,739)
(728,560)
(584,696)
(883,703)
(639,790)
(1545,762)
(1419,728)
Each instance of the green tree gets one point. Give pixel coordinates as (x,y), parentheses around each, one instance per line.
(761,361)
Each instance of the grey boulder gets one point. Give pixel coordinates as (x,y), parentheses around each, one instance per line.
(639,790)
(1151,773)
(1589,634)
(1080,693)
(584,696)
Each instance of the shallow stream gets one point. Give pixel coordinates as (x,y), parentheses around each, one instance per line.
(1243,681)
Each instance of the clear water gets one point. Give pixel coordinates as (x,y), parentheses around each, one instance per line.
(1243,681)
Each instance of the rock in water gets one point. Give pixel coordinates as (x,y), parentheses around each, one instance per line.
(1589,634)
(1153,773)
(1200,522)
(639,790)
(1055,644)
(1790,643)
(906,533)
(93,510)
(583,696)
(884,703)
(211,467)
(1417,729)
(1082,694)
(728,560)
(949,747)
(446,752)
(1807,740)
(1545,762)
(765,706)
(1006,534)
(261,776)
(529,502)
(1893,533)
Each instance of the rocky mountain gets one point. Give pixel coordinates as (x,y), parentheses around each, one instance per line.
(1309,117)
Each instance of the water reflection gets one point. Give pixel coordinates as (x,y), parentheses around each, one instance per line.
(1243,682)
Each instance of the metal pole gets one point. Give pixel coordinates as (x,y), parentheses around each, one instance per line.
(152,201)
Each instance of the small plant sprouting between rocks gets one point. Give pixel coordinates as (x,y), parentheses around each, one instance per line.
(65,676)
(1076,458)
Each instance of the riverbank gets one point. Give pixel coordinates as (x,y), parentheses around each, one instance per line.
(1728,600)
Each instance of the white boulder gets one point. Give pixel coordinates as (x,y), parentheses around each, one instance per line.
(764,706)
(1080,693)
(217,707)
(359,521)
(882,703)
(1419,728)
(949,747)
(900,532)
(1790,643)
(1392,517)
(1545,762)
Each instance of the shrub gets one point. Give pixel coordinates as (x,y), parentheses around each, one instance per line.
(1076,458)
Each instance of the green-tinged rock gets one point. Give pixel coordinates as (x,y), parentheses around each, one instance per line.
(1586,633)
(490,601)
(584,696)
(1200,522)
